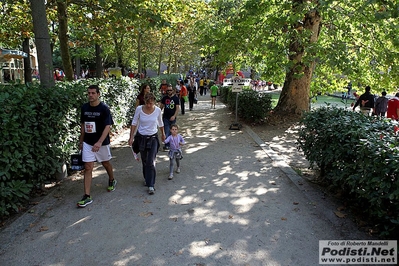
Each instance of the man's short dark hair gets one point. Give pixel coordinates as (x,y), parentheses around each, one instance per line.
(368,88)
(384,93)
(397,94)
(95,87)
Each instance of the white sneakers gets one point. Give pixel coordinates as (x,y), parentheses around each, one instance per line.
(151,190)
(171,175)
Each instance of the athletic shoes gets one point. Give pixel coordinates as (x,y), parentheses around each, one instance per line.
(178,170)
(170,177)
(86,200)
(151,190)
(111,185)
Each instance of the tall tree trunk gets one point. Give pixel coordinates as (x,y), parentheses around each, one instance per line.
(42,40)
(27,65)
(99,62)
(216,78)
(169,66)
(252,75)
(172,56)
(63,38)
(160,56)
(139,66)
(175,64)
(119,52)
(78,67)
(294,98)
(144,67)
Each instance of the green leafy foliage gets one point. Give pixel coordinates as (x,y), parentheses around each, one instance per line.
(41,127)
(170,79)
(12,194)
(251,105)
(359,155)
(254,106)
(224,93)
(118,94)
(32,123)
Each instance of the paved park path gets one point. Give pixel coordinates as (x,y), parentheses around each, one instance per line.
(235,202)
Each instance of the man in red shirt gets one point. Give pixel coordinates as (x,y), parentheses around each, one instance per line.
(393,107)
(183,96)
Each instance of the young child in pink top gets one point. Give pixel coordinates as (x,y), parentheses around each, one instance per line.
(175,140)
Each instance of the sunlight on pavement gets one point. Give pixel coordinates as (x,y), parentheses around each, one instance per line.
(203,249)
(244,204)
(80,221)
(191,148)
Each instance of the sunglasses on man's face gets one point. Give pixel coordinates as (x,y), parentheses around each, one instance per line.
(168,90)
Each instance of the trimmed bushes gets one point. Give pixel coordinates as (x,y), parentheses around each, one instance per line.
(360,155)
(40,129)
(252,106)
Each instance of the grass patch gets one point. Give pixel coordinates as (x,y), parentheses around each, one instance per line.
(322,100)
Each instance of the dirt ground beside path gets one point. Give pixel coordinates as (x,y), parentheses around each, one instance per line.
(230,205)
(281,136)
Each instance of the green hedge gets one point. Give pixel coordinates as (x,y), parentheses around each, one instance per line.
(40,129)
(252,106)
(155,83)
(358,154)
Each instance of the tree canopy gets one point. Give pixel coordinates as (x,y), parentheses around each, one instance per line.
(308,46)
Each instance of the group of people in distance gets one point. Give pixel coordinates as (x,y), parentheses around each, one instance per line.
(96,121)
(381,106)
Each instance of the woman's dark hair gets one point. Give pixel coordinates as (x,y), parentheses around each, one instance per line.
(143,88)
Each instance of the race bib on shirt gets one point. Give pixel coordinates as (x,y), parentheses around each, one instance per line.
(90,127)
